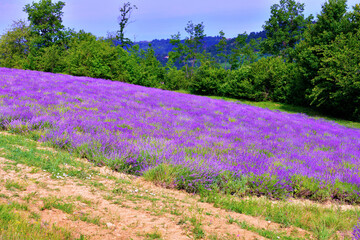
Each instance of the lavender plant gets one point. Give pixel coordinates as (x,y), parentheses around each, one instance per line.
(356,231)
(133,128)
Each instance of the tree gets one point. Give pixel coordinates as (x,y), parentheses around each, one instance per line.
(194,40)
(14,45)
(191,49)
(45,20)
(221,48)
(236,51)
(337,86)
(178,53)
(194,43)
(308,53)
(124,18)
(334,52)
(285,27)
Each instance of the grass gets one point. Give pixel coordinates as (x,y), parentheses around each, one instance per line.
(53,202)
(153,235)
(59,163)
(266,233)
(86,217)
(13,225)
(12,185)
(321,221)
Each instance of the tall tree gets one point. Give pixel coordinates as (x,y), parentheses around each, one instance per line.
(329,60)
(124,20)
(308,53)
(194,41)
(285,27)
(221,48)
(45,20)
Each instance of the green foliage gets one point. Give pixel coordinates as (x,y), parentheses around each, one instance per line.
(13,45)
(142,68)
(327,60)
(14,225)
(47,59)
(87,56)
(207,80)
(285,27)
(337,84)
(269,79)
(287,213)
(227,183)
(238,84)
(45,20)
(53,202)
(308,53)
(176,80)
(163,173)
(221,48)
(243,53)
(188,54)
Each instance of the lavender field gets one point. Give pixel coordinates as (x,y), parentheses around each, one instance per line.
(134,129)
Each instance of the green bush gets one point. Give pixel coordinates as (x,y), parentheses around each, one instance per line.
(207,80)
(47,59)
(87,56)
(237,84)
(142,68)
(176,80)
(270,79)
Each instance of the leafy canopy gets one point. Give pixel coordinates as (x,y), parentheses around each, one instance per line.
(285,27)
(46,21)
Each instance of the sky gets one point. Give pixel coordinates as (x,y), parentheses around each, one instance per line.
(159,19)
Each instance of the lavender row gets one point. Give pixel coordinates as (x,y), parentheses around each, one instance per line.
(144,127)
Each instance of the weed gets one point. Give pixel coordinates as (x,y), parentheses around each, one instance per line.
(85,217)
(12,186)
(30,196)
(2,195)
(83,200)
(35,216)
(197,228)
(231,220)
(321,231)
(53,202)
(156,234)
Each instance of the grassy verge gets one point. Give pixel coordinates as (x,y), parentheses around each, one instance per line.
(323,222)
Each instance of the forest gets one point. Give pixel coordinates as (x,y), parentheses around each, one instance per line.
(305,61)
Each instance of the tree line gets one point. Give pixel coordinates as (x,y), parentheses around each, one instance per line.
(302,61)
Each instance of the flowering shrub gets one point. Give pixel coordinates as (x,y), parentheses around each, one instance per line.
(135,128)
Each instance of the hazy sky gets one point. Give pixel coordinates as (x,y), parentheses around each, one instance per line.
(159,19)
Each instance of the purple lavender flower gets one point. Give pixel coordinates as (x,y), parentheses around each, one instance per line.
(138,127)
(356,231)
